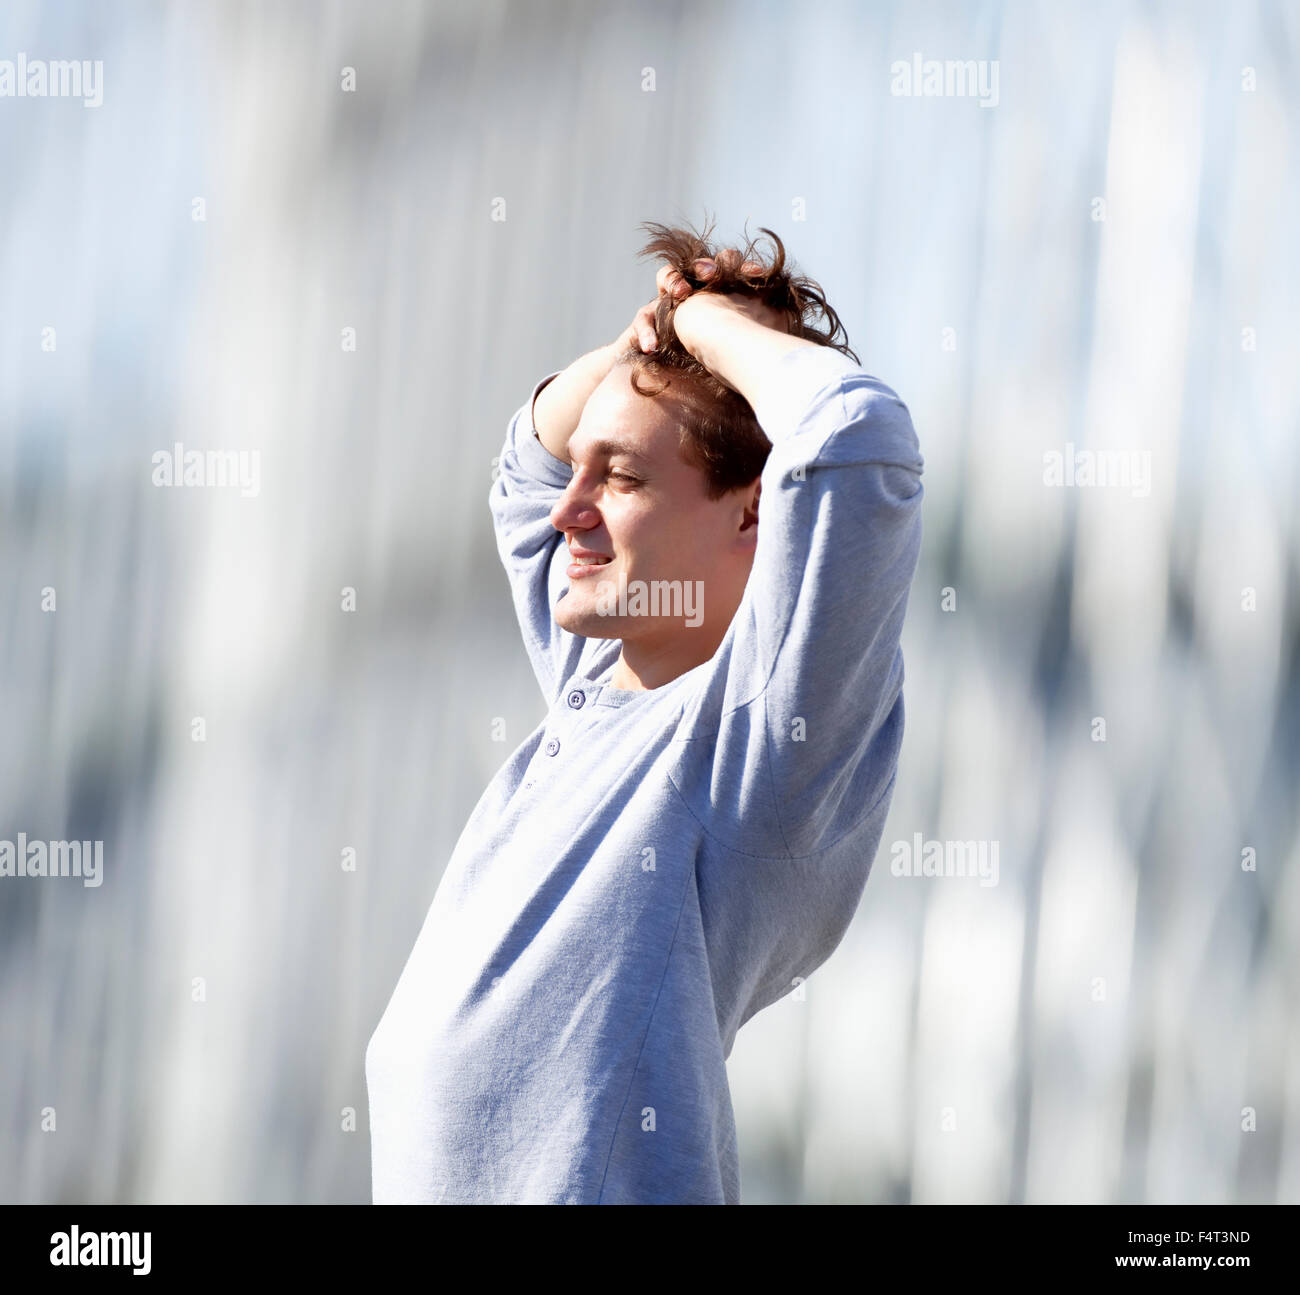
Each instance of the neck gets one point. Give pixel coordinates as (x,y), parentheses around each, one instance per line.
(642,666)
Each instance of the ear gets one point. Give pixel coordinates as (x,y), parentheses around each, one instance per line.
(749,511)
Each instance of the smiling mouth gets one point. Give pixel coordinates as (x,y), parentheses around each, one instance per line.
(584,566)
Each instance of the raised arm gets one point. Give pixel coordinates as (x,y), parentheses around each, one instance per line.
(809,702)
(534,470)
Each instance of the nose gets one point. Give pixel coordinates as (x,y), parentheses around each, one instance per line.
(573,509)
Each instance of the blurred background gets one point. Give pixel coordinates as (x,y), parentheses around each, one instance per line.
(1100,257)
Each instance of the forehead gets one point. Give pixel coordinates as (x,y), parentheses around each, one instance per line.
(616,417)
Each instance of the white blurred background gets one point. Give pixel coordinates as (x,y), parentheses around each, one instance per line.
(1114,1021)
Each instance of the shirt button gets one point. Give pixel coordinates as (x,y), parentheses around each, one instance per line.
(576,698)
(552,747)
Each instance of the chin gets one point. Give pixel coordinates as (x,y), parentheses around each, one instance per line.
(585,622)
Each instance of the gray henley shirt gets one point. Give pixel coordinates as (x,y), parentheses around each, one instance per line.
(650,869)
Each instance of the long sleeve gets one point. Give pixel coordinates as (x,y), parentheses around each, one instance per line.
(798,726)
(529,481)
(652,867)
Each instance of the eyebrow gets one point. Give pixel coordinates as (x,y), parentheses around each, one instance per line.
(612,448)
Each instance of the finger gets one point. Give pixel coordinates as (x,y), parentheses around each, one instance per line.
(704,268)
(644,326)
(729,258)
(671,283)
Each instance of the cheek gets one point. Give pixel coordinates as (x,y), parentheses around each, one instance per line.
(666,538)
(707,521)
(691,543)
(632,527)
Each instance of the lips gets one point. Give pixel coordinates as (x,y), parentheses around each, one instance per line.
(579,554)
(585,561)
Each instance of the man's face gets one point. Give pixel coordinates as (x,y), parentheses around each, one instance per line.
(638,512)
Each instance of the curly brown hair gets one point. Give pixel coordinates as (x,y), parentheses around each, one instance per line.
(719,432)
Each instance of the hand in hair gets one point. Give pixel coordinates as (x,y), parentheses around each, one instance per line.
(719,295)
(763,285)
(642,333)
(696,313)
(679,289)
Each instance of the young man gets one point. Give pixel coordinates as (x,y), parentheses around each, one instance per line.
(710,570)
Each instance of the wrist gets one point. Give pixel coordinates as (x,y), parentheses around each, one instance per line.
(741,351)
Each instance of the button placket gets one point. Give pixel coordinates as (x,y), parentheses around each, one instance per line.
(575,699)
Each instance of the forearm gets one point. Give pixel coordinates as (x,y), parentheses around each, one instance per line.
(559,404)
(739,350)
